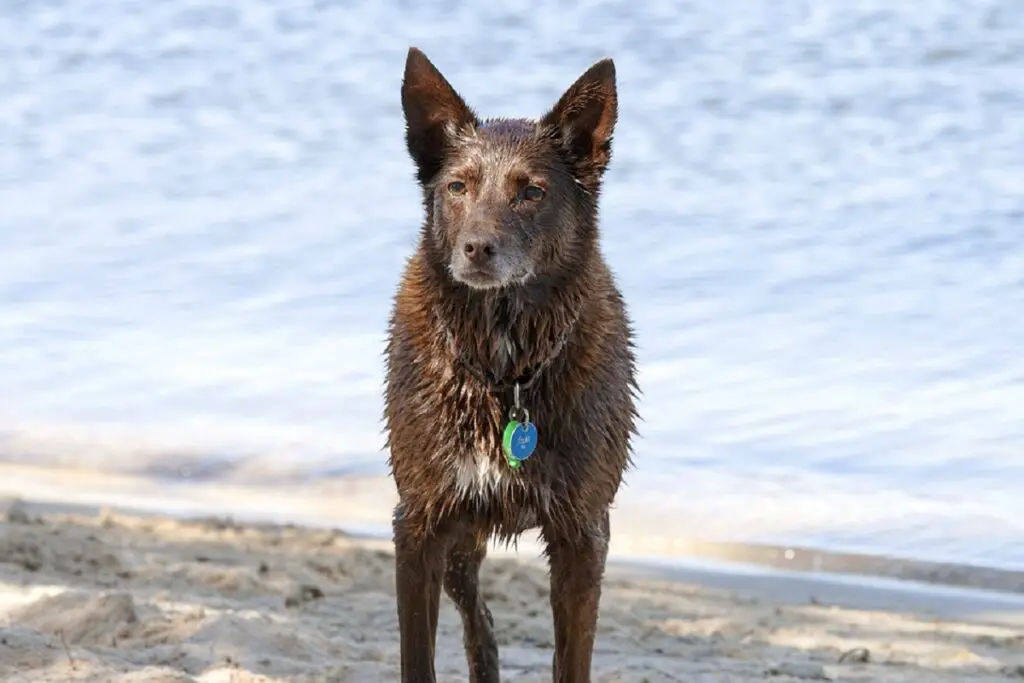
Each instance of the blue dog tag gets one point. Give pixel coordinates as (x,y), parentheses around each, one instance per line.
(519,442)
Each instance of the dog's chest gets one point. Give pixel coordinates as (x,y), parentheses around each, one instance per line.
(476,476)
(496,495)
(482,482)
(478,470)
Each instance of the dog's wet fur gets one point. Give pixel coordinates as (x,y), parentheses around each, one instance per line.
(507,284)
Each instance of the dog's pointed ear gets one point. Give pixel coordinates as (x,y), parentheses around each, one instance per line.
(433,113)
(584,119)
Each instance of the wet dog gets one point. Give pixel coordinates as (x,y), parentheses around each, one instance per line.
(511,390)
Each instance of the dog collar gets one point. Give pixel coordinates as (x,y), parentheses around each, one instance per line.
(503,384)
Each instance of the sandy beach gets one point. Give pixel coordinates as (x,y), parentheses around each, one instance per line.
(95,595)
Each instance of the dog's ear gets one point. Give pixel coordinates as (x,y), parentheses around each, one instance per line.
(584,119)
(433,113)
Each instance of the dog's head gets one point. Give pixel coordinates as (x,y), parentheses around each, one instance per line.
(508,200)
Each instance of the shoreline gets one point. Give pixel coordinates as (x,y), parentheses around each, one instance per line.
(758,581)
(361,505)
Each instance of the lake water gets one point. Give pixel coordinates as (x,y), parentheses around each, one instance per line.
(815,209)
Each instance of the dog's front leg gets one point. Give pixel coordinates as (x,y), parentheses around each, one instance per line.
(462,585)
(577,562)
(419,562)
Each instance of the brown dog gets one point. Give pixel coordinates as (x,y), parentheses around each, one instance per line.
(508,331)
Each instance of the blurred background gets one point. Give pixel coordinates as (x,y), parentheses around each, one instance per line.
(815,209)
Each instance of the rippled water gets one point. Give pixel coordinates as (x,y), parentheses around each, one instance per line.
(816,210)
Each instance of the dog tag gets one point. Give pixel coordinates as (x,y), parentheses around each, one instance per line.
(519,442)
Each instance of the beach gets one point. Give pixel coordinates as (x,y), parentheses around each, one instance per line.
(90,594)
(814,214)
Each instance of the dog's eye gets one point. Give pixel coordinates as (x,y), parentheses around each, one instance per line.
(457,187)
(533,193)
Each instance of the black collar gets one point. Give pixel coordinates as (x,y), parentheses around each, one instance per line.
(502,384)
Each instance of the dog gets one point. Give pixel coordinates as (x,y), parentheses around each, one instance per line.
(510,392)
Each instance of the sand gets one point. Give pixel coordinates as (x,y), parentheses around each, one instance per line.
(125,598)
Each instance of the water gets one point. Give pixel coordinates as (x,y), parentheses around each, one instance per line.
(814,208)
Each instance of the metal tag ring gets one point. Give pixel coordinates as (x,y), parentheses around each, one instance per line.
(519,414)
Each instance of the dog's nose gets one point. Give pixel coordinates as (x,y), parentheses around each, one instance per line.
(480,249)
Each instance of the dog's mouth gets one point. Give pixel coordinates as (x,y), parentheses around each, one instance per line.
(478,278)
(494,275)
